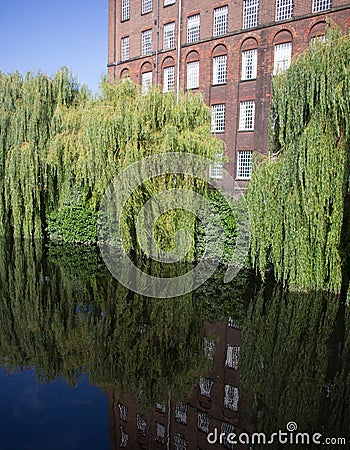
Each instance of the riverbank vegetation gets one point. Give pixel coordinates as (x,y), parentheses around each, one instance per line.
(298,197)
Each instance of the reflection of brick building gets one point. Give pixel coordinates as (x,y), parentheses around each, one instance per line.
(228,50)
(213,403)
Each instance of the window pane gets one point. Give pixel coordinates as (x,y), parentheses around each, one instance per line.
(218,118)
(169,36)
(203,421)
(244,164)
(193,28)
(125,9)
(169,2)
(125,48)
(246,116)
(220,21)
(146,81)
(250,13)
(321,5)
(231,397)
(249,64)
(219,69)
(282,57)
(169,79)
(284,9)
(193,75)
(205,386)
(146,6)
(146,42)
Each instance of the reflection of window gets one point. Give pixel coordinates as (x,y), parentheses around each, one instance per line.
(146,81)
(203,422)
(193,75)
(146,6)
(123,437)
(226,430)
(205,386)
(161,407)
(141,424)
(123,411)
(246,115)
(231,397)
(125,48)
(218,118)
(282,57)
(321,5)
(232,356)
(125,9)
(169,79)
(169,2)
(193,28)
(181,413)
(249,64)
(146,42)
(250,13)
(179,442)
(219,69)
(209,345)
(169,36)
(160,433)
(244,164)
(220,21)
(284,9)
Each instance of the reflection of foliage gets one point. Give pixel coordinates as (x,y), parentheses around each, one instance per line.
(284,357)
(63,322)
(297,197)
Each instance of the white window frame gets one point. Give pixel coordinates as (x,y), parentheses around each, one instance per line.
(169,79)
(146,81)
(179,441)
(192,75)
(169,36)
(249,64)
(227,429)
(250,13)
(147,6)
(282,57)
(193,28)
(218,112)
(125,48)
(321,5)
(244,164)
(169,2)
(220,23)
(146,48)
(216,170)
(284,9)
(123,412)
(125,10)
(246,115)
(141,424)
(219,69)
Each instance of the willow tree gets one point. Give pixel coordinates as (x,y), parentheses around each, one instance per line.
(297,196)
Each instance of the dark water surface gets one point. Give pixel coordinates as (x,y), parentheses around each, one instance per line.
(87,364)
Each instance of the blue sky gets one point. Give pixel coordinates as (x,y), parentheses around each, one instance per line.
(46,35)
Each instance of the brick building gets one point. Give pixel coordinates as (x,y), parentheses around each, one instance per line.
(214,404)
(228,50)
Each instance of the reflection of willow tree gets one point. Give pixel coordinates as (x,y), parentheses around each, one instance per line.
(66,314)
(284,357)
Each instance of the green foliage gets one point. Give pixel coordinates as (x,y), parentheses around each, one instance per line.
(55,141)
(296,197)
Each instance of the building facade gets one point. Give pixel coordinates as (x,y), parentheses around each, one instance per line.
(228,50)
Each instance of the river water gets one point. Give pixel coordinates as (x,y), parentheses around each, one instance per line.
(87,364)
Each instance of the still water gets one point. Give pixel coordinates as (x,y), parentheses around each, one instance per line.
(87,364)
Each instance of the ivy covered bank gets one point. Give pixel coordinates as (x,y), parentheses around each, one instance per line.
(298,196)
